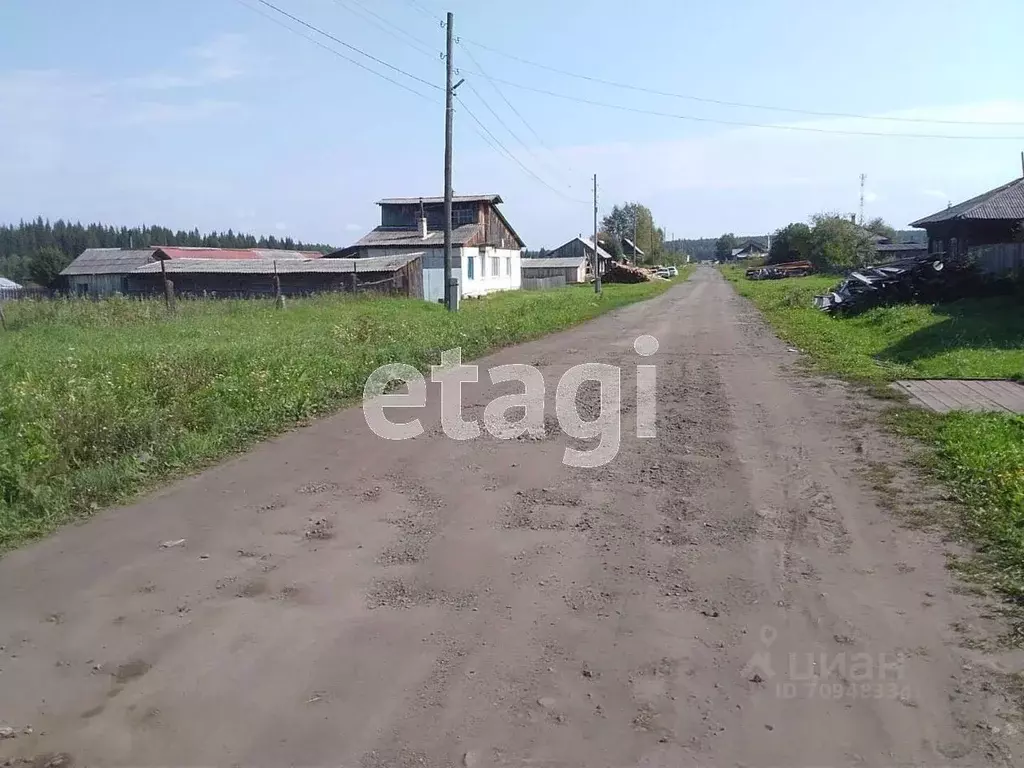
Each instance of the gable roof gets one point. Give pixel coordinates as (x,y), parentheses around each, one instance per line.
(108,261)
(492,199)
(392,237)
(633,247)
(8,285)
(588,245)
(1002,203)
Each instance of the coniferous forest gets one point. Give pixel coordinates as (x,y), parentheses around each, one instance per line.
(23,243)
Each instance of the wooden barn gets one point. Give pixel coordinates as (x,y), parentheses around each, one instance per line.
(397,275)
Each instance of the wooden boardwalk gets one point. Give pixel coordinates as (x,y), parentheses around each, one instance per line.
(945,395)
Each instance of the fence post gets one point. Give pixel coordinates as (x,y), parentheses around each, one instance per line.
(278,298)
(3,319)
(168,288)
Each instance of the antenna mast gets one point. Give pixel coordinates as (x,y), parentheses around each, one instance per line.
(863,178)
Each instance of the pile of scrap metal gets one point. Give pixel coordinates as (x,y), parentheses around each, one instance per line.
(780,271)
(620,272)
(929,278)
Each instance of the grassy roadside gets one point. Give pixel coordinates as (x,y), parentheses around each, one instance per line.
(979,456)
(100,400)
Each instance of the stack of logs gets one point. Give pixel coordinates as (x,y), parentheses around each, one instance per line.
(618,272)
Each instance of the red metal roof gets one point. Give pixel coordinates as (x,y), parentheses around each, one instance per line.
(233,253)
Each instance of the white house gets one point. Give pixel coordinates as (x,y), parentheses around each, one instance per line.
(486,251)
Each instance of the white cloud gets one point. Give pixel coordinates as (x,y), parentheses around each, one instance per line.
(353,228)
(935,193)
(161,112)
(218,61)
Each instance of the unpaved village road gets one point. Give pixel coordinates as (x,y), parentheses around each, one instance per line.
(341,600)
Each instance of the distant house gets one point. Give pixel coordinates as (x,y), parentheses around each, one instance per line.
(748,251)
(486,250)
(631,251)
(581,249)
(8,285)
(994,217)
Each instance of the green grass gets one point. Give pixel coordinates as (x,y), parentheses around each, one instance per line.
(979,456)
(99,400)
(971,338)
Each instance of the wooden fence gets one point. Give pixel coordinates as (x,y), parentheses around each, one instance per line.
(543,283)
(998,259)
(10,294)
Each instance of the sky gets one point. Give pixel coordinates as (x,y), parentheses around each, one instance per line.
(223,114)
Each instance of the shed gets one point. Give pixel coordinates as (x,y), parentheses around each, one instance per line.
(997,216)
(8,285)
(573,269)
(102,271)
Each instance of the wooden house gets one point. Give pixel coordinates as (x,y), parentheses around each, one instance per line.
(486,251)
(994,217)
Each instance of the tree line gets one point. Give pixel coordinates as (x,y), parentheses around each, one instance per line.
(38,250)
(835,242)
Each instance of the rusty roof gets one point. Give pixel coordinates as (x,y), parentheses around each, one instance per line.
(1002,203)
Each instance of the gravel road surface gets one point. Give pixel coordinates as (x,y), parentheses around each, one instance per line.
(730,593)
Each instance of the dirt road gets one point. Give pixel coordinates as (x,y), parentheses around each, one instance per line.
(727,594)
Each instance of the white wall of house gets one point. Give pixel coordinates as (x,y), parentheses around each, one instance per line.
(488,269)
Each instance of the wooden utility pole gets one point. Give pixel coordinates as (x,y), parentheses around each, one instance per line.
(449,92)
(635,217)
(597,258)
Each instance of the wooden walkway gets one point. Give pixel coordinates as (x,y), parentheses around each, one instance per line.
(945,395)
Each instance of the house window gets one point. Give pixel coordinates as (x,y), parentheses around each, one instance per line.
(463,215)
(495,266)
(508,265)
(469,268)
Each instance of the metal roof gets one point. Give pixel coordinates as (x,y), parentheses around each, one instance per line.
(632,247)
(1002,203)
(108,261)
(493,199)
(590,246)
(178,252)
(382,237)
(8,285)
(560,262)
(284,267)
(899,247)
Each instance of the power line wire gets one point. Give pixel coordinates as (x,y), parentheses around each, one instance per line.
(744,124)
(421,9)
(361,52)
(512,157)
(329,49)
(388,28)
(723,102)
(511,106)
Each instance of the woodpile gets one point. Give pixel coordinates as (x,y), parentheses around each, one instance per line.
(618,272)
